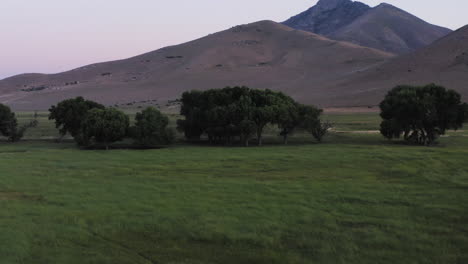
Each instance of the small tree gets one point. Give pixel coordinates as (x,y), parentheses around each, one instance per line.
(421,114)
(312,123)
(104,126)
(70,114)
(319,129)
(9,124)
(151,128)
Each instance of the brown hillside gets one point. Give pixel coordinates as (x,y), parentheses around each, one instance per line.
(445,62)
(261,55)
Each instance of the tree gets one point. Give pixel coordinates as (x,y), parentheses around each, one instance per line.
(421,114)
(312,123)
(151,128)
(247,129)
(70,114)
(264,110)
(104,126)
(289,118)
(9,124)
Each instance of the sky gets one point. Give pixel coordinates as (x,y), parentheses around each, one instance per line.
(50,36)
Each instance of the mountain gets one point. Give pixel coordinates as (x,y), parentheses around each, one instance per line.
(383,27)
(328,16)
(260,55)
(445,62)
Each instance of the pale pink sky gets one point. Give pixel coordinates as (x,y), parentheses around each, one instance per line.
(50,36)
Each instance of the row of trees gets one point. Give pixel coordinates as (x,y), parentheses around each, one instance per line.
(240,112)
(91,124)
(421,114)
(9,127)
(418,114)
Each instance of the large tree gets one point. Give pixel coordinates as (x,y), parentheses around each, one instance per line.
(421,114)
(151,128)
(104,126)
(70,114)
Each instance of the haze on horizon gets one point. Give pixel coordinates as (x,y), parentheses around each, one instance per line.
(51,36)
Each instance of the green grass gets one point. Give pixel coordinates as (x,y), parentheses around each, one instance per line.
(354,199)
(354,121)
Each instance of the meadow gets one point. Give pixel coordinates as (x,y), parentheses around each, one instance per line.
(356,198)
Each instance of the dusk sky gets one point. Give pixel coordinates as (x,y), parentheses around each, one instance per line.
(50,36)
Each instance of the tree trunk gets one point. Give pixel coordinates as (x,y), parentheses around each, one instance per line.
(259,136)
(285,139)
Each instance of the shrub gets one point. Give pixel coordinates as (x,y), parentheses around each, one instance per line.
(151,128)
(103,126)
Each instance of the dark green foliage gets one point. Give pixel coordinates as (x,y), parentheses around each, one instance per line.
(9,124)
(421,114)
(70,114)
(312,123)
(103,126)
(224,114)
(8,121)
(151,128)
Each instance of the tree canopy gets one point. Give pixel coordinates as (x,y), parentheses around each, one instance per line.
(104,126)
(70,114)
(151,128)
(421,114)
(8,122)
(223,114)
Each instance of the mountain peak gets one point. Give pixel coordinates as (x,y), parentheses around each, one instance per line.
(328,16)
(331,4)
(383,27)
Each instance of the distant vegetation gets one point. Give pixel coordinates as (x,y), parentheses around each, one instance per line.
(34,89)
(91,124)
(240,112)
(421,114)
(240,115)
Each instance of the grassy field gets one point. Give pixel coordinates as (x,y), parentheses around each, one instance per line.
(354,199)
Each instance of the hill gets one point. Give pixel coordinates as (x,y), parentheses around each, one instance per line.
(444,62)
(383,27)
(261,55)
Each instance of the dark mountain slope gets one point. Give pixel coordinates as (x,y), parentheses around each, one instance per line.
(384,27)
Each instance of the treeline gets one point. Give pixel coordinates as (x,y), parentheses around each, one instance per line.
(224,115)
(240,114)
(92,124)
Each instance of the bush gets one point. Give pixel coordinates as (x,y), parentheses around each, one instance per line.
(151,128)
(312,123)
(103,126)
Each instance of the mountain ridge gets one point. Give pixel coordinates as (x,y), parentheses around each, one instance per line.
(383,27)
